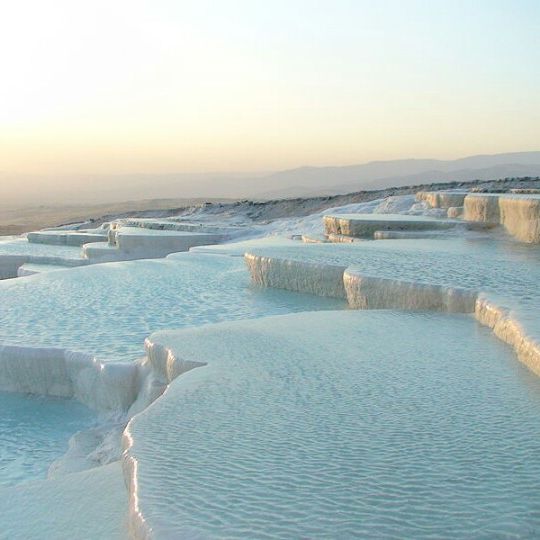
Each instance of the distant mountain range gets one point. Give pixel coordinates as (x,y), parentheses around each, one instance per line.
(307,181)
(300,182)
(313,181)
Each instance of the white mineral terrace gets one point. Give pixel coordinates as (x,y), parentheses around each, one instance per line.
(68,238)
(54,249)
(29,269)
(314,426)
(269,402)
(107,310)
(442,199)
(182,225)
(129,243)
(475,274)
(518,212)
(365,226)
(520,215)
(14,253)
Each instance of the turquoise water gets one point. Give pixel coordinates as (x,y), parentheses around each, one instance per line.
(109,309)
(22,247)
(506,269)
(330,425)
(343,425)
(34,431)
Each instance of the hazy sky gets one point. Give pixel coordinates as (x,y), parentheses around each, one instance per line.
(123,86)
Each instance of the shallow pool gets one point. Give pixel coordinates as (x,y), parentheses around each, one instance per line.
(351,424)
(34,431)
(22,247)
(509,271)
(109,309)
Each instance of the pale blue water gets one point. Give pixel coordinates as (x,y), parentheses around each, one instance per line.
(372,425)
(22,247)
(343,425)
(109,309)
(34,431)
(506,269)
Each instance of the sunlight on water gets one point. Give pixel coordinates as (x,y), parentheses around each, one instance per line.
(307,426)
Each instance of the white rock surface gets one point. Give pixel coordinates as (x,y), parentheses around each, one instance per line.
(30,269)
(442,199)
(300,276)
(58,372)
(130,243)
(365,225)
(67,238)
(365,292)
(482,207)
(507,327)
(446,275)
(455,212)
(518,213)
(520,216)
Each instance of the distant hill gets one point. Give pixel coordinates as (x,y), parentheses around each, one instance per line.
(300,182)
(382,174)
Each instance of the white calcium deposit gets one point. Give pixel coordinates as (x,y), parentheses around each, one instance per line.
(254,411)
(518,212)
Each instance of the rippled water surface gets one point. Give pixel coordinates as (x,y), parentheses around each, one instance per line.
(22,247)
(341,425)
(34,431)
(505,268)
(109,309)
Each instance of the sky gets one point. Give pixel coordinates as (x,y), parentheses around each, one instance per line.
(164,86)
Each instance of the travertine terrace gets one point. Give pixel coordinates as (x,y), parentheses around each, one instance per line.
(518,212)
(251,335)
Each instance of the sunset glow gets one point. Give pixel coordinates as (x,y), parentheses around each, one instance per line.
(107,87)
